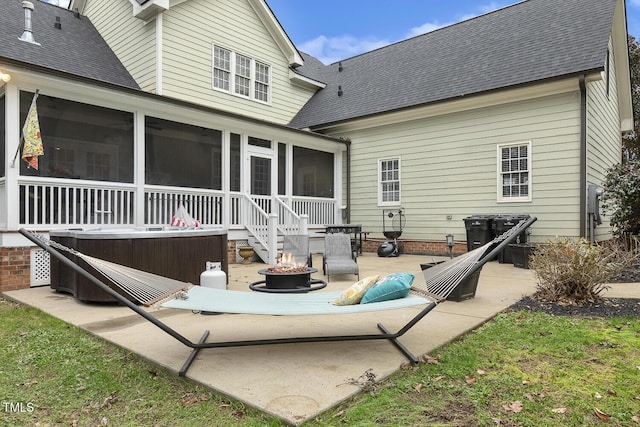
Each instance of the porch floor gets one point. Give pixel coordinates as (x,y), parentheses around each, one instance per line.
(295,382)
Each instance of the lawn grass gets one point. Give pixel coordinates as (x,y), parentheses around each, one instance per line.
(520,369)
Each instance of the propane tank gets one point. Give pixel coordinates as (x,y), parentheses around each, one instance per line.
(213,276)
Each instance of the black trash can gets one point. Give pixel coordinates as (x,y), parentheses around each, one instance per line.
(503,223)
(521,253)
(479,230)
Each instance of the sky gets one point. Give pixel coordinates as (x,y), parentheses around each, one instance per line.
(332,30)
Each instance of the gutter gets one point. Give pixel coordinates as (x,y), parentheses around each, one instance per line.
(324,126)
(348,144)
(583,156)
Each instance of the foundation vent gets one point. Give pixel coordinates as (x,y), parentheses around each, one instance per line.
(40,263)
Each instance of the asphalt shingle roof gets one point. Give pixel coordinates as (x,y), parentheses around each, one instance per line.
(77,48)
(527,42)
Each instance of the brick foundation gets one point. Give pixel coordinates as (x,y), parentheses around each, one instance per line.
(15,268)
(232,256)
(413,247)
(417,247)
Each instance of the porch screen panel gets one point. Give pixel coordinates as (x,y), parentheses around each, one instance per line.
(81,141)
(313,173)
(282,169)
(181,155)
(235,162)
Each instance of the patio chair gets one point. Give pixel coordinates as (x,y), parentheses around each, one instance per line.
(339,257)
(298,246)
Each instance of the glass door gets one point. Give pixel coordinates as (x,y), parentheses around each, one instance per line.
(260,179)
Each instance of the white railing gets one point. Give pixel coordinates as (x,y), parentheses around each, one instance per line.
(289,222)
(264,202)
(52,203)
(62,203)
(160,203)
(320,211)
(256,220)
(235,210)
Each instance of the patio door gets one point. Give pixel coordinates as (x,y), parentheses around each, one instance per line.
(260,177)
(260,180)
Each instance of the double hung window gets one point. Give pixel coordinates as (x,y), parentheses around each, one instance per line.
(389,181)
(514,172)
(241,75)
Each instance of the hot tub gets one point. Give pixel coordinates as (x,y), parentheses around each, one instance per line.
(180,254)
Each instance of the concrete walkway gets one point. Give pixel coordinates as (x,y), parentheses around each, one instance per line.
(295,382)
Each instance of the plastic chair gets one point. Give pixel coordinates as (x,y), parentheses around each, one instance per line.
(298,246)
(339,258)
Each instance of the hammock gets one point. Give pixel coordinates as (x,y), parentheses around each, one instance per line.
(147,288)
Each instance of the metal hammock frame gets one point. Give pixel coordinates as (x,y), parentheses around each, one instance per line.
(441,280)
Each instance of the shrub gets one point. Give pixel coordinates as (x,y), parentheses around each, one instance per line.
(576,271)
(621,198)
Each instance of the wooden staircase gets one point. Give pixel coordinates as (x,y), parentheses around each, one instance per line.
(267,230)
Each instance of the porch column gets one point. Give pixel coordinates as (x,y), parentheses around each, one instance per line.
(304,224)
(139,167)
(12,170)
(226,180)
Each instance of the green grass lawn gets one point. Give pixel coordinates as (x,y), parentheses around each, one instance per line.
(520,369)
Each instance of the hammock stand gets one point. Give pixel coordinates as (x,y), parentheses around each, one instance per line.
(444,277)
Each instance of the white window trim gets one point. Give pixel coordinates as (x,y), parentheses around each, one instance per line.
(379,180)
(232,76)
(500,197)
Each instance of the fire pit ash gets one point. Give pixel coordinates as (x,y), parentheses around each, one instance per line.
(288,276)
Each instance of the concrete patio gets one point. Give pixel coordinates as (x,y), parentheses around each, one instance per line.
(295,382)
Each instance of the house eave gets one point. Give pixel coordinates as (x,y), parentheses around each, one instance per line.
(463,102)
(277,32)
(305,82)
(15,68)
(622,67)
(149,9)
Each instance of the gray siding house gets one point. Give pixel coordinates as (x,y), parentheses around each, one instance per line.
(148,104)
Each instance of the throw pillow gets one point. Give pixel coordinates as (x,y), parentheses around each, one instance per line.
(393,286)
(354,294)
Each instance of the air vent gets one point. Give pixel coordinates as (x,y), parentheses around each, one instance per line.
(40,267)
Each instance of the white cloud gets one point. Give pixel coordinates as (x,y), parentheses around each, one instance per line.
(333,49)
(635,3)
(61,3)
(426,28)
(432,26)
(490,7)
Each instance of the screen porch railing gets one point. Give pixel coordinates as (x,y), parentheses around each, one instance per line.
(52,203)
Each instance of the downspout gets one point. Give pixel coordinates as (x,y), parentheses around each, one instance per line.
(348,143)
(583,156)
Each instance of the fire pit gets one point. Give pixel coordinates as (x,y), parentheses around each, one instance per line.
(288,278)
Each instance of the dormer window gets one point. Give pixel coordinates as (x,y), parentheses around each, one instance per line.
(241,75)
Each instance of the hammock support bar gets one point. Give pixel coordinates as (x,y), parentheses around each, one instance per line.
(201,344)
(433,300)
